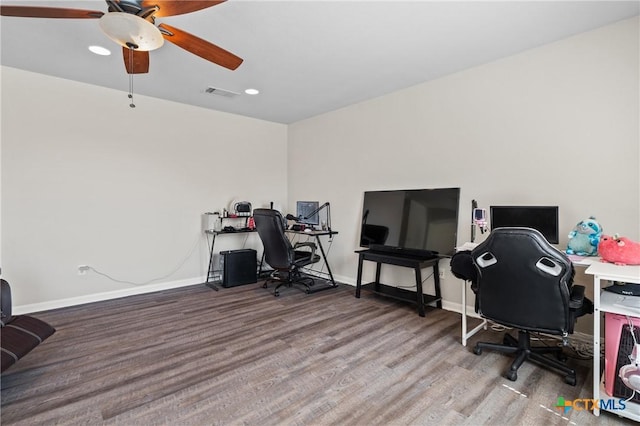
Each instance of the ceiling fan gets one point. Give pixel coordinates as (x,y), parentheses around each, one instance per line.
(131,24)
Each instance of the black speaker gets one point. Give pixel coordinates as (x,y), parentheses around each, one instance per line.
(239,267)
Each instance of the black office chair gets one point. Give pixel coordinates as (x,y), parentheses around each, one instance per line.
(525,283)
(285,259)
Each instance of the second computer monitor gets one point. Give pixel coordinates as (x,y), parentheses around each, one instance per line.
(307,212)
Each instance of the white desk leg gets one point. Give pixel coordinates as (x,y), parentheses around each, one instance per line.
(596,342)
(481,326)
(464,313)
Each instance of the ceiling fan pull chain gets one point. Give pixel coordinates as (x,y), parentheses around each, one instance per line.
(130,96)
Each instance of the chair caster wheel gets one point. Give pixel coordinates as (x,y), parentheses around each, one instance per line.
(570,380)
(512,375)
(264,285)
(276,293)
(477,350)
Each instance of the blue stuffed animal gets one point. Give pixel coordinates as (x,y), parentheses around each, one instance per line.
(584,238)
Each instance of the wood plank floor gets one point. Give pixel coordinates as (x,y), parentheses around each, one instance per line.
(193,356)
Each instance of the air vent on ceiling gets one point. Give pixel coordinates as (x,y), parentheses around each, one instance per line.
(221,92)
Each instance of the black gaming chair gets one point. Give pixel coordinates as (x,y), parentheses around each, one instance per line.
(285,259)
(525,283)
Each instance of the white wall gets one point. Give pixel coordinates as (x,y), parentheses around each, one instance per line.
(556,125)
(88,180)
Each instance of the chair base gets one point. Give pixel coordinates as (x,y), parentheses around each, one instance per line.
(289,279)
(524,351)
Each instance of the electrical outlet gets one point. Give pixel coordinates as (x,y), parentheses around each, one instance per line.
(82,269)
(441,275)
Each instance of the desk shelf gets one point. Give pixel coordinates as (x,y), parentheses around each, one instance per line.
(608,303)
(398,293)
(602,273)
(237,231)
(631,411)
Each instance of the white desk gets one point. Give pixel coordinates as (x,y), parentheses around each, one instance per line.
(609,272)
(576,260)
(483,325)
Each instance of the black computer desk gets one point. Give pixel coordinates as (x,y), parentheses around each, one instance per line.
(317,234)
(211,270)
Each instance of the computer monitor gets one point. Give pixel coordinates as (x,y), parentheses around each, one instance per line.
(542,218)
(304,210)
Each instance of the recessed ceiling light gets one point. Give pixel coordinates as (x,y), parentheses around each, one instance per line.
(252,91)
(99,50)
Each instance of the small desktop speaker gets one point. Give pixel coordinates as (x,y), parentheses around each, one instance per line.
(240,267)
(621,366)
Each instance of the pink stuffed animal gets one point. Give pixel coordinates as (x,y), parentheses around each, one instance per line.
(619,250)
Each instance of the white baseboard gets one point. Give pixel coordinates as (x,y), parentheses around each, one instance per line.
(449,306)
(446,305)
(98,297)
(337,278)
(457,307)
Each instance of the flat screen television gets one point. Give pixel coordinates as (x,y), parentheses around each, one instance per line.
(417,222)
(304,210)
(542,218)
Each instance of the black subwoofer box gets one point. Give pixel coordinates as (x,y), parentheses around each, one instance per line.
(239,267)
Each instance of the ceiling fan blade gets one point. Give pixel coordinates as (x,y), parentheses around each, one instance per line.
(200,47)
(135,61)
(178,7)
(48,12)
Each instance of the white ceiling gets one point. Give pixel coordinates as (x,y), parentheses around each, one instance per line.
(305,57)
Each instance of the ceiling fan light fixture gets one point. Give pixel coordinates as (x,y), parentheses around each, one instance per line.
(130,30)
(99,50)
(251,91)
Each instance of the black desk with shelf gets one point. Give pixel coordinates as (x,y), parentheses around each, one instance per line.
(416,263)
(211,270)
(317,234)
